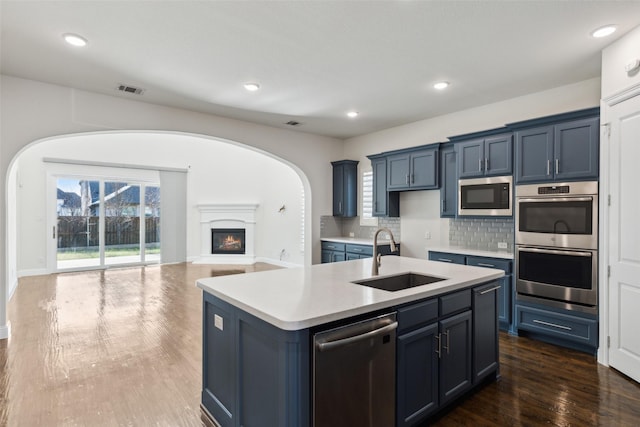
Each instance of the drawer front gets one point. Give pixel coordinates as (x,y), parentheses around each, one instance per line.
(333,246)
(560,325)
(446,257)
(360,249)
(502,264)
(455,302)
(415,315)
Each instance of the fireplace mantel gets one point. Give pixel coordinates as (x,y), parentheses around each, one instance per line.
(227,215)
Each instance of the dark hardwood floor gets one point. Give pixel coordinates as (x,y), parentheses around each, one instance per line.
(122,347)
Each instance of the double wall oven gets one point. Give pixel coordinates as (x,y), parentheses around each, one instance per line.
(557,244)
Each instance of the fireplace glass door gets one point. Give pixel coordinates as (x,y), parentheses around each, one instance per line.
(228,241)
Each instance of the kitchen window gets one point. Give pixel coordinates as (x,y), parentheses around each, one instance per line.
(367,218)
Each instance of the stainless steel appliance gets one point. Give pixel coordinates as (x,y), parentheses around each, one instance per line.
(557,244)
(485,196)
(354,374)
(558,215)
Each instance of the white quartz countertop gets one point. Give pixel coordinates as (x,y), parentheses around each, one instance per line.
(299,298)
(475,252)
(357,240)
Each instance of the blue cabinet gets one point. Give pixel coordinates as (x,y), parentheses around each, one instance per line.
(434,355)
(448,182)
(336,252)
(506,291)
(489,156)
(566,151)
(345,188)
(558,326)
(415,169)
(486,353)
(385,203)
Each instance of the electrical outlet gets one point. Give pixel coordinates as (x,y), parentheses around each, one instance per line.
(352,234)
(502,245)
(427,235)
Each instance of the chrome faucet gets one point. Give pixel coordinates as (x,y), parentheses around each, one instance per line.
(376,256)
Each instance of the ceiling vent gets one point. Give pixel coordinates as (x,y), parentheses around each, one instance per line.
(130,89)
(292,123)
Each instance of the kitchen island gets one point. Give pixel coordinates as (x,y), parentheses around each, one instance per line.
(258,330)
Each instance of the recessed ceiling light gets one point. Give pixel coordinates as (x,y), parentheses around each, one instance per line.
(251,87)
(74,40)
(441,85)
(604,31)
(352,114)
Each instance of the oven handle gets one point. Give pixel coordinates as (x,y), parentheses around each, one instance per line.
(555,252)
(556,199)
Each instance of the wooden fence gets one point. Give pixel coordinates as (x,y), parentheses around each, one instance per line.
(79,232)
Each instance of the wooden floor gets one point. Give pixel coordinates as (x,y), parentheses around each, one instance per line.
(122,347)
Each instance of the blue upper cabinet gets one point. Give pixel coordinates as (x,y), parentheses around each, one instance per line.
(413,170)
(449,182)
(385,204)
(345,188)
(561,151)
(489,156)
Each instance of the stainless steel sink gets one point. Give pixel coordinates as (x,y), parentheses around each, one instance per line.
(398,282)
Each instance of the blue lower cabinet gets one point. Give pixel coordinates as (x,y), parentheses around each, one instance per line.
(455,356)
(336,252)
(486,353)
(558,326)
(417,382)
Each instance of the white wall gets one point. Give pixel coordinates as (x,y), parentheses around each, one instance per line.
(420,211)
(615,79)
(31,111)
(219,172)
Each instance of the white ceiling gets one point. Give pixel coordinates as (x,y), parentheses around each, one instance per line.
(314,60)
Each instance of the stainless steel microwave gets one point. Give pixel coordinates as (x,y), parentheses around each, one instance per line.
(490,196)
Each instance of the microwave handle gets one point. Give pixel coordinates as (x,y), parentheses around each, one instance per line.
(554,252)
(556,199)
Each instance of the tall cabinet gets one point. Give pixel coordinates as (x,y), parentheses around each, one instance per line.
(345,188)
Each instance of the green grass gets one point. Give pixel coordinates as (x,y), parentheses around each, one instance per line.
(84,253)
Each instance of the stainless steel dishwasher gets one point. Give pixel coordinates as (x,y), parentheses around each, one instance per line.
(354,374)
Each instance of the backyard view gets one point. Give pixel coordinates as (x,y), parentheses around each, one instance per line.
(106,223)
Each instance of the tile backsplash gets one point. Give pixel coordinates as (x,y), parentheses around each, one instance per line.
(481,233)
(331,226)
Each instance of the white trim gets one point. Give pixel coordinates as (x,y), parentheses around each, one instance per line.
(603,242)
(112,165)
(278,262)
(621,96)
(33,272)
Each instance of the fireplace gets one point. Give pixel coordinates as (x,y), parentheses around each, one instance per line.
(228,241)
(228,233)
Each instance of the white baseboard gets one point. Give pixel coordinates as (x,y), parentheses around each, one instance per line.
(278,262)
(5,331)
(33,272)
(12,288)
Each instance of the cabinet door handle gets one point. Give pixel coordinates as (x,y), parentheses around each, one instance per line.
(479,165)
(555,325)
(548,167)
(486,164)
(439,347)
(444,205)
(340,207)
(356,250)
(486,291)
(444,260)
(447,346)
(406,179)
(482,264)
(413,178)
(557,166)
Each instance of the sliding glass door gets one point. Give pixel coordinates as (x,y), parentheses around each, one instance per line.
(106,222)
